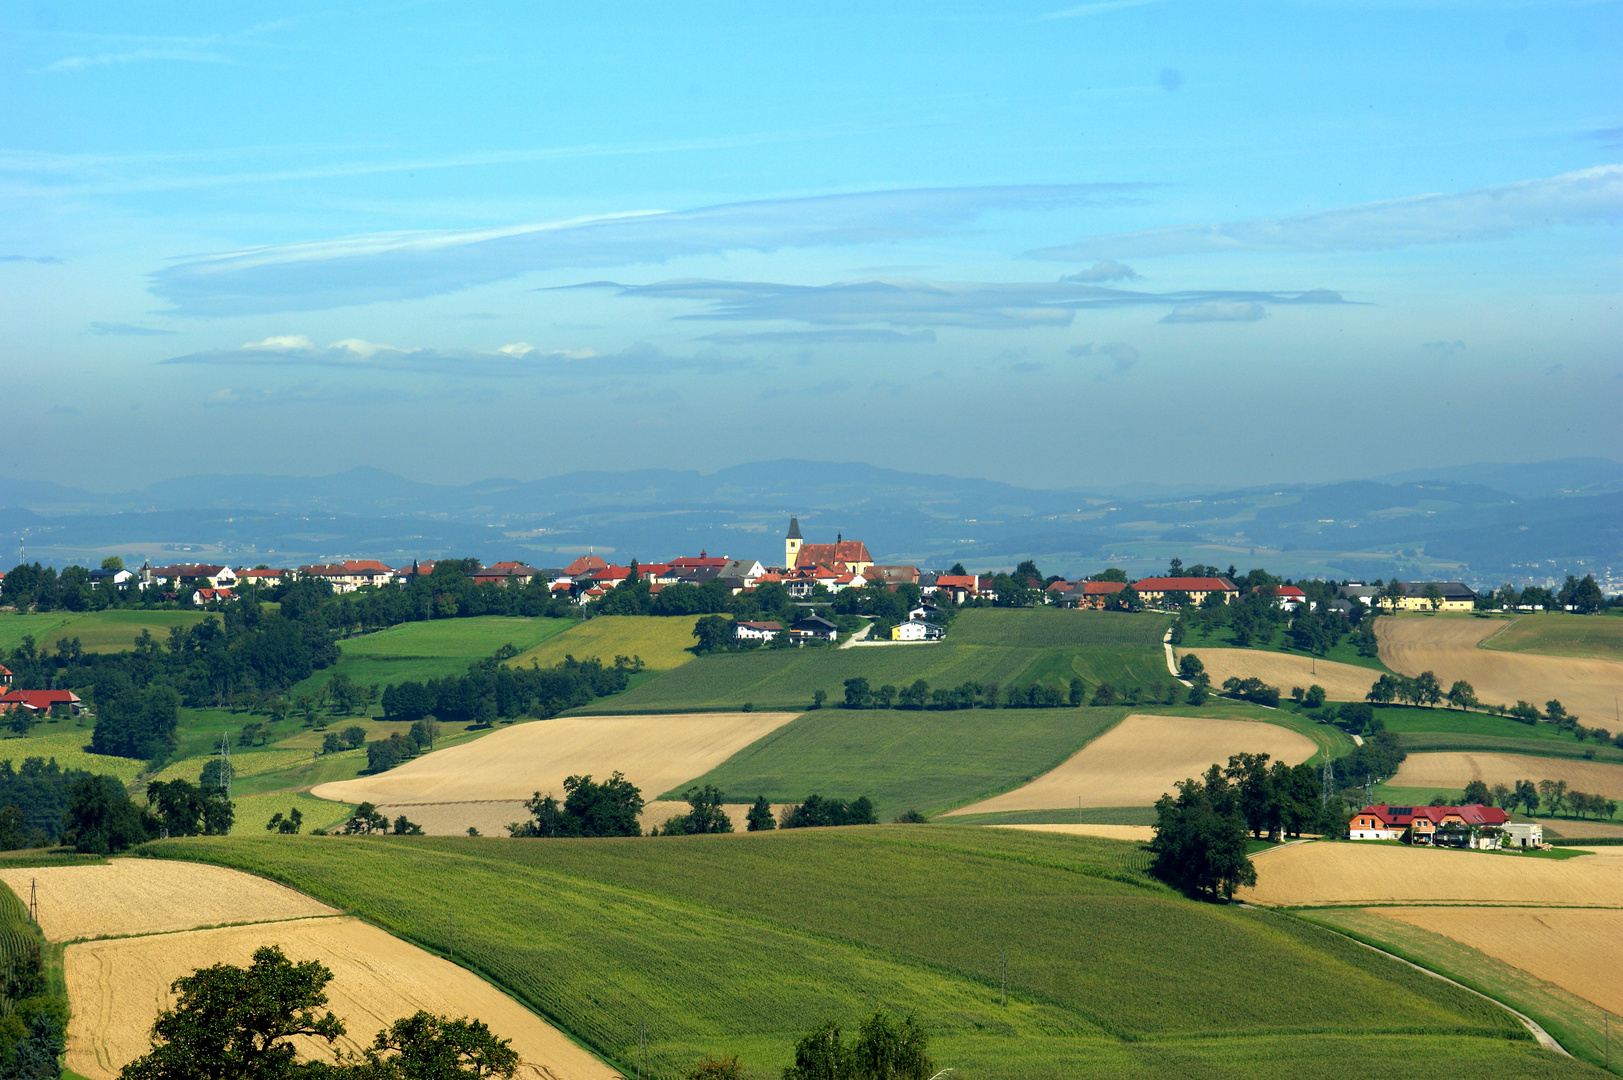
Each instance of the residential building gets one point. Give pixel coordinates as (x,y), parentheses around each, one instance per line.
(1452,596)
(916,630)
(584,565)
(1154,590)
(349,575)
(203,597)
(187,576)
(1289,596)
(757,631)
(814,628)
(1474,825)
(262,576)
(1523,834)
(1085,594)
(958,587)
(892,575)
(506,573)
(1357,590)
(42,701)
(5,675)
(924,613)
(115,578)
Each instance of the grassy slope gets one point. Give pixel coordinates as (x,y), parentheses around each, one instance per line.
(663,643)
(1421,730)
(1561,634)
(1223,638)
(1574,1022)
(65,742)
(740,944)
(985,645)
(97,631)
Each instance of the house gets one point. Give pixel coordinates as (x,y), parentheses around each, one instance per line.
(1154,590)
(1523,834)
(1453,596)
(506,573)
(584,565)
(187,576)
(349,575)
(916,630)
(1084,594)
(757,631)
(1289,596)
(814,628)
(1357,590)
(892,575)
(1474,826)
(42,701)
(203,597)
(5,675)
(958,587)
(610,577)
(924,613)
(116,578)
(261,576)
(744,569)
(687,563)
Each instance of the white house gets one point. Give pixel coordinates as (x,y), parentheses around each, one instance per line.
(915,630)
(757,631)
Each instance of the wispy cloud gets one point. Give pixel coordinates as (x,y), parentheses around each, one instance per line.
(399,266)
(855,336)
(1446,348)
(46,259)
(1100,7)
(135,56)
(1589,195)
(121,329)
(1099,272)
(980,305)
(1121,355)
(1216,311)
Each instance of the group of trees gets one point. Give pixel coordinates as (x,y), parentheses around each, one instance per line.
(1200,838)
(861,694)
(589,809)
(886,1048)
(368,819)
(384,754)
(1553,795)
(1582,595)
(491,691)
(817,812)
(1422,689)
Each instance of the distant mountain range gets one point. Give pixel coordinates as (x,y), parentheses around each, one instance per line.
(1480,523)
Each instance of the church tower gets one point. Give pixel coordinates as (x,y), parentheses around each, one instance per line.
(791,544)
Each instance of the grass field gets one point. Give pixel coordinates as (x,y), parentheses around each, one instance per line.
(1420,729)
(67,747)
(1574,1022)
(1222,638)
(985,645)
(740,944)
(254,810)
(97,631)
(1560,634)
(663,643)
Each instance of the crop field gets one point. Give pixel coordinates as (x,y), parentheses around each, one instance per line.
(654,752)
(1362,873)
(713,941)
(1572,1020)
(97,631)
(1561,634)
(904,759)
(663,643)
(1587,687)
(143,896)
(1451,771)
(984,645)
(118,987)
(253,811)
(1341,682)
(68,748)
(1140,759)
(1345,652)
(1422,729)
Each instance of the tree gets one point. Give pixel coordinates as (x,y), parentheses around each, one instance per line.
(1254,791)
(760,817)
(1528,795)
(1432,595)
(287,826)
(885,1049)
(101,819)
(404,826)
(1314,697)
(1503,797)
(818,697)
(232,1023)
(588,809)
(1477,793)
(1462,695)
(957,570)
(365,821)
(1190,665)
(704,816)
(1200,689)
(185,809)
(1200,841)
(714,632)
(714,1068)
(112,562)
(858,695)
(428,1047)
(1557,714)
(1112,574)
(354,736)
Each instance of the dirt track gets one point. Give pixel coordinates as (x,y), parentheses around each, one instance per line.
(656,753)
(1580,951)
(118,987)
(1342,682)
(1450,771)
(1138,761)
(1354,873)
(1448,648)
(152,896)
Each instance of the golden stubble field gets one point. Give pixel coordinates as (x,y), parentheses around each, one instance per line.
(149,896)
(656,753)
(1578,950)
(117,988)
(1354,874)
(1448,648)
(1342,682)
(1452,770)
(1138,761)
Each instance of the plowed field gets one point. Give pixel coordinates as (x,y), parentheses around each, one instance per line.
(1354,873)
(118,987)
(1451,771)
(1139,760)
(1342,682)
(1448,648)
(1580,951)
(145,896)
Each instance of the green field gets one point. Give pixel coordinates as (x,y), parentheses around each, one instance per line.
(663,643)
(1421,730)
(97,631)
(1344,651)
(1560,634)
(1572,1021)
(738,944)
(1089,815)
(253,811)
(67,747)
(985,645)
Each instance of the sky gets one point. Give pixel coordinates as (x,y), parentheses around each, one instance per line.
(1109,243)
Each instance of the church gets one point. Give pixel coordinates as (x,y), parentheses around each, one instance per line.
(842,556)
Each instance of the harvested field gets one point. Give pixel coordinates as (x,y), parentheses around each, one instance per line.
(1451,771)
(1588,687)
(1355,873)
(146,896)
(1568,827)
(1579,951)
(1342,682)
(656,753)
(1139,760)
(1142,834)
(118,987)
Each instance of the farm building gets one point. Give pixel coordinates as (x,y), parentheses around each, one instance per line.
(1154,590)
(1473,826)
(1289,596)
(1084,594)
(1450,595)
(349,575)
(42,701)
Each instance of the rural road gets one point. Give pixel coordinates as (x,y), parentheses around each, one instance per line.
(856,637)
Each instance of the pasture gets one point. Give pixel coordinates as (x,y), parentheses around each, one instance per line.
(1424,730)
(1341,682)
(253,811)
(1452,770)
(1558,633)
(730,945)
(1344,652)
(1140,759)
(1010,647)
(98,631)
(1362,873)
(1588,687)
(663,643)
(68,748)
(117,988)
(654,752)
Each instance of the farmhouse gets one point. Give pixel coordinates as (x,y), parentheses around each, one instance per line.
(1154,590)
(349,575)
(1289,596)
(814,628)
(506,573)
(892,575)
(1473,826)
(1084,594)
(757,631)
(187,576)
(41,700)
(262,575)
(1452,596)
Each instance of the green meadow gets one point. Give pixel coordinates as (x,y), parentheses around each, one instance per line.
(97,631)
(1556,633)
(984,645)
(740,944)
(1422,729)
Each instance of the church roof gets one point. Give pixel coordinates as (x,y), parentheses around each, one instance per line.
(794,529)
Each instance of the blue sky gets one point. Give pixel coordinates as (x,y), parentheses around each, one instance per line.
(1060,245)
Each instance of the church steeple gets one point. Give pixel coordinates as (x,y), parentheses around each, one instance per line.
(791,544)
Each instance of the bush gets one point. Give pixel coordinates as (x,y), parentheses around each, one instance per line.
(818,812)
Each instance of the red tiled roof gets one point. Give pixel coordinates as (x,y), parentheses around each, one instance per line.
(845,551)
(186,570)
(691,562)
(1289,592)
(762,625)
(955,581)
(39,699)
(1403,816)
(584,564)
(261,573)
(1103,588)
(1185,584)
